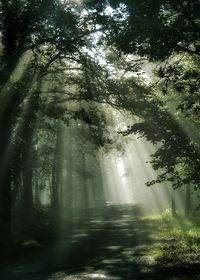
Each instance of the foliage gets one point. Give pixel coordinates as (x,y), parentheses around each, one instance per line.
(177,155)
(64,83)
(181,78)
(159,28)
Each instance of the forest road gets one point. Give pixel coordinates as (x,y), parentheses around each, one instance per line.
(112,244)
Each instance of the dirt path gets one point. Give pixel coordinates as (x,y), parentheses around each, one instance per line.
(111,245)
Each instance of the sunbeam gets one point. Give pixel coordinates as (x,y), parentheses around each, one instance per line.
(99,140)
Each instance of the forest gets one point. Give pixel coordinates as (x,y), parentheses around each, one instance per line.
(99,139)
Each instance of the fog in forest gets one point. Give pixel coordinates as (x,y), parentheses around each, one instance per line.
(91,179)
(99,139)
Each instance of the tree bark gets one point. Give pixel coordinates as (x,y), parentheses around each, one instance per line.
(188,200)
(173,203)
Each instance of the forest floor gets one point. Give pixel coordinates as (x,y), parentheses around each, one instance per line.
(115,244)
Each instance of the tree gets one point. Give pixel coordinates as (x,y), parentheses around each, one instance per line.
(47,31)
(158,28)
(55,41)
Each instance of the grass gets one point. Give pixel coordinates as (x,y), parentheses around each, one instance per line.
(153,247)
(175,241)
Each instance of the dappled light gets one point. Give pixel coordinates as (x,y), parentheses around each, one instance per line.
(99,140)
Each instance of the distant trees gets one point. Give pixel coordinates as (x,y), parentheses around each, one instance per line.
(50,76)
(39,93)
(41,29)
(168,33)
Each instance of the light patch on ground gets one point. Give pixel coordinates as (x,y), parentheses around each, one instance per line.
(96,275)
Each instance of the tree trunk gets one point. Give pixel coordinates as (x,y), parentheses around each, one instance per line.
(5,209)
(68,183)
(37,190)
(56,180)
(173,203)
(27,194)
(188,200)
(10,152)
(84,185)
(54,187)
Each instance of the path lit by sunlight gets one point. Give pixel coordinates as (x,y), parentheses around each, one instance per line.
(93,179)
(125,176)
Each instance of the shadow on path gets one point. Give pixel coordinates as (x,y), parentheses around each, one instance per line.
(112,244)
